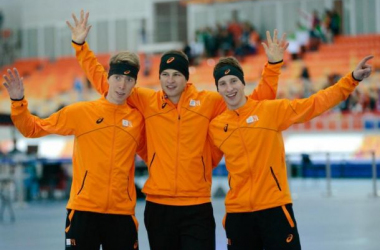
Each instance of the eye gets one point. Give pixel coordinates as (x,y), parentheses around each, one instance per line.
(221,83)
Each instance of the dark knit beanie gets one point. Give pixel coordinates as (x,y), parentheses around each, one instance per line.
(176,62)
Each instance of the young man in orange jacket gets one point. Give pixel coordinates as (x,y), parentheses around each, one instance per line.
(178,213)
(258,204)
(107,133)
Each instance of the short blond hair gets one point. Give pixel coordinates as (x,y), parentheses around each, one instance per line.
(126,57)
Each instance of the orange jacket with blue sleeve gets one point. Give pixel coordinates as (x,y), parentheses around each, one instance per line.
(106,137)
(179,155)
(251,140)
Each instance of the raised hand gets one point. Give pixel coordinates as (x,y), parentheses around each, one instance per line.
(80,30)
(363,70)
(14,84)
(275,49)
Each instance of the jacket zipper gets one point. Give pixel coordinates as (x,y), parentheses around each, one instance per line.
(111,161)
(204,169)
(84,179)
(275,178)
(178,144)
(247,154)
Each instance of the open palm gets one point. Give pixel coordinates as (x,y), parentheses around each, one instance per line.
(80,29)
(275,49)
(14,84)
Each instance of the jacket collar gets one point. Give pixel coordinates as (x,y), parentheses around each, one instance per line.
(108,104)
(189,89)
(243,110)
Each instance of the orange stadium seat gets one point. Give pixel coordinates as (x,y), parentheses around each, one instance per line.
(48,79)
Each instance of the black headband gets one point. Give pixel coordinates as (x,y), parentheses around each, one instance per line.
(228,70)
(123,69)
(177,62)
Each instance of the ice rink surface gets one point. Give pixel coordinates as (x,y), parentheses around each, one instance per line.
(347,220)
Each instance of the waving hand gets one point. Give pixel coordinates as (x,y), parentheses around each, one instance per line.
(80,29)
(274,48)
(14,84)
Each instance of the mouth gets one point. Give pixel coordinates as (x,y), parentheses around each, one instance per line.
(231,95)
(120,94)
(171,87)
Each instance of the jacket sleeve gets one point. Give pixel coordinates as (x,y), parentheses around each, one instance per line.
(288,112)
(215,102)
(216,153)
(142,150)
(94,71)
(34,127)
(140,98)
(267,88)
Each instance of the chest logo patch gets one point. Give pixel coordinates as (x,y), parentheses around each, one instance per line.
(194,103)
(126,123)
(252,119)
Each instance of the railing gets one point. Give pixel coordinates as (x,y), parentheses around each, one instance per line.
(328,169)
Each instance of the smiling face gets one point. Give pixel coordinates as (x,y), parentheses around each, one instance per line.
(173,84)
(120,87)
(231,88)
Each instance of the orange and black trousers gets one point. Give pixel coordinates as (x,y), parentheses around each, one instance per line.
(88,231)
(180,227)
(269,229)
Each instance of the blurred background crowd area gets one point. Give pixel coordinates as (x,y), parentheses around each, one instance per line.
(326,40)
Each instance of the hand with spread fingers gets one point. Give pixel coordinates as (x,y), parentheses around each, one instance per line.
(363,70)
(14,84)
(275,49)
(80,30)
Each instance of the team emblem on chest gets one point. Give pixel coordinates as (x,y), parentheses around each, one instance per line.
(252,119)
(194,103)
(126,123)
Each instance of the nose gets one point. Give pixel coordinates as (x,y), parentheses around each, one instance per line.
(170,79)
(123,84)
(229,87)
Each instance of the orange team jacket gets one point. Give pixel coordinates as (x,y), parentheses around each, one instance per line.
(251,140)
(179,153)
(106,137)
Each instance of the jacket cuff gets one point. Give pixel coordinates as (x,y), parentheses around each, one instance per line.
(78,47)
(353,77)
(274,68)
(18,107)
